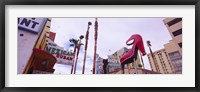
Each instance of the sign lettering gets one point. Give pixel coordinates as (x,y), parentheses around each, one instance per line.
(62,56)
(31,24)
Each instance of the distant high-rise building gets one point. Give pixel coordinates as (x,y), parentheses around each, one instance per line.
(99,65)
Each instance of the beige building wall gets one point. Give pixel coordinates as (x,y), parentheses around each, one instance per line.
(169,59)
(116,57)
(162,61)
(174,47)
(177,39)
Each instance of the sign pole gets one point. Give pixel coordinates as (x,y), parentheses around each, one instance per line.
(135,66)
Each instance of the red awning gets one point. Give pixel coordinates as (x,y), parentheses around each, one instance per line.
(44,55)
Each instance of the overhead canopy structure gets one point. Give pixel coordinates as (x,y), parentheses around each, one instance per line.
(43,61)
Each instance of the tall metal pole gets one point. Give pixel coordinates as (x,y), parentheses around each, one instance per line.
(142,60)
(135,65)
(149,45)
(95,44)
(78,49)
(74,59)
(75,42)
(86,44)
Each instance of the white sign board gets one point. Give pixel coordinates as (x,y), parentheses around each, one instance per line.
(63,56)
(34,25)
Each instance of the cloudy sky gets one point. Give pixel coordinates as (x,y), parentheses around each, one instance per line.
(112,35)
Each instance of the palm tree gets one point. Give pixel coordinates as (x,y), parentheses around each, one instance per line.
(149,45)
(95,43)
(86,44)
(78,48)
(74,43)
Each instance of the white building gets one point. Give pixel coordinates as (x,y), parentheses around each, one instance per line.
(29,30)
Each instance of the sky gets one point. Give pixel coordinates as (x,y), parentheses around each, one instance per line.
(112,36)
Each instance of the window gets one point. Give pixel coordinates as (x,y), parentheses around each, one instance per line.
(177,32)
(174,21)
(48,19)
(48,26)
(21,34)
(180,45)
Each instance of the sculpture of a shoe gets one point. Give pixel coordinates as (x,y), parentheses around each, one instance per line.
(131,55)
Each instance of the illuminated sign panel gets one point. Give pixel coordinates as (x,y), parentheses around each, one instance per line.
(34,25)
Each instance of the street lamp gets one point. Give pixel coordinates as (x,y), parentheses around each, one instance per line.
(78,48)
(74,43)
(95,44)
(86,44)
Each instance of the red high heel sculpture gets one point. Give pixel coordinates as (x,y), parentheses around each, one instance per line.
(131,55)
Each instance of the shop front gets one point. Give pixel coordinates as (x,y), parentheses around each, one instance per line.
(42,63)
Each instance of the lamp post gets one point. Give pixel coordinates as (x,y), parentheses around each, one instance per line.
(78,48)
(74,43)
(95,44)
(149,45)
(86,44)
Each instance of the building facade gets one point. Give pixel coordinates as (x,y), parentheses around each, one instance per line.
(174,26)
(132,71)
(161,63)
(99,65)
(174,47)
(169,59)
(114,61)
(32,40)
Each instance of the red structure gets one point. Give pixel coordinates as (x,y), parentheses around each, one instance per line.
(95,44)
(86,44)
(52,36)
(131,55)
(43,62)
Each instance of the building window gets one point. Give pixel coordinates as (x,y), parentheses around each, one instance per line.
(21,34)
(48,19)
(180,45)
(48,26)
(177,32)
(174,21)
